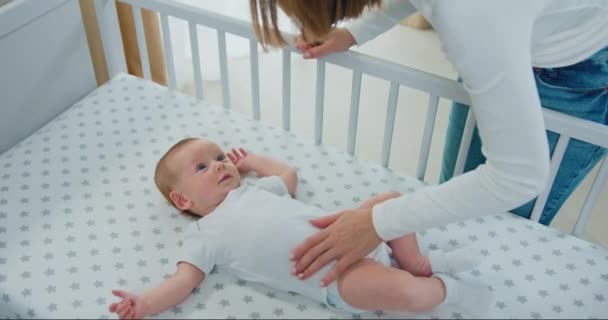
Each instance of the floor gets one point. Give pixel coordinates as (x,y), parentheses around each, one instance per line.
(413,48)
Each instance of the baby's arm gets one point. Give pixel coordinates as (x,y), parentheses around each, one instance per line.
(169,293)
(265,166)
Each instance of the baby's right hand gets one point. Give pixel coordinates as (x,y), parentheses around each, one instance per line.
(131,306)
(240,159)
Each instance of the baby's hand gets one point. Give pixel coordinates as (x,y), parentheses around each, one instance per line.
(131,306)
(240,160)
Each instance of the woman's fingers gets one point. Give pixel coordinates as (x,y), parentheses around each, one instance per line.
(311,255)
(325,221)
(325,258)
(301,44)
(243,152)
(323,49)
(306,245)
(312,50)
(344,263)
(351,237)
(113,306)
(339,39)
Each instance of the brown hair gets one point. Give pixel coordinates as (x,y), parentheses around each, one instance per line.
(164,177)
(315,17)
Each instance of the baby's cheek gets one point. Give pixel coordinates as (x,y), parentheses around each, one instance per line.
(205,190)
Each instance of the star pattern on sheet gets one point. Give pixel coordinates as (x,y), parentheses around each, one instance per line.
(80,215)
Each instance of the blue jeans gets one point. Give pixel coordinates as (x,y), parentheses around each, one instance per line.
(580,90)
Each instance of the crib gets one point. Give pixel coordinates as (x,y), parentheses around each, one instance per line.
(80,215)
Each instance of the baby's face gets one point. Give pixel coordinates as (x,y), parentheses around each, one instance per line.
(205,176)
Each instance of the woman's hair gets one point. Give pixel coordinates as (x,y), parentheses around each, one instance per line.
(164,177)
(314,17)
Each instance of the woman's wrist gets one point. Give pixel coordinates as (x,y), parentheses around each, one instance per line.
(349,38)
(374,212)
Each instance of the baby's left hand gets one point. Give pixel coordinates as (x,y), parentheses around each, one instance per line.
(240,159)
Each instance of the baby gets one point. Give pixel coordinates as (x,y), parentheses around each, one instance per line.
(250,230)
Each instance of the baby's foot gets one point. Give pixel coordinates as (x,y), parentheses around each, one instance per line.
(453,261)
(472,298)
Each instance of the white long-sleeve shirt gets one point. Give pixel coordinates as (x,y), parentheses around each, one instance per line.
(493,46)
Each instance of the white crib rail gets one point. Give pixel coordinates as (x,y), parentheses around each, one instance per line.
(286,89)
(196,61)
(164,21)
(398,75)
(141,42)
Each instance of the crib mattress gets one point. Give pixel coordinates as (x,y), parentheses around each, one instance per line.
(80,216)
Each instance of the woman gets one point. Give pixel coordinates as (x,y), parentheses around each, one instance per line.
(494,47)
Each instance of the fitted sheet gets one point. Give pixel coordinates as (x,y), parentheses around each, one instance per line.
(80,216)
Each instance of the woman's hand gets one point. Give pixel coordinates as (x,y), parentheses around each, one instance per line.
(339,39)
(240,159)
(131,306)
(347,236)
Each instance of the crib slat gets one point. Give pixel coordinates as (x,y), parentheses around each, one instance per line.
(255,77)
(592,196)
(354,112)
(389,123)
(465,144)
(221,44)
(109,30)
(196,59)
(320,98)
(164,22)
(556,159)
(431,115)
(141,42)
(286,88)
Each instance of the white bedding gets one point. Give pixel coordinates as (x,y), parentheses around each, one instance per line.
(80,216)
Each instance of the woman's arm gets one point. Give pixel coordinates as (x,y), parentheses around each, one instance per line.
(493,56)
(492,53)
(372,23)
(371,202)
(358,31)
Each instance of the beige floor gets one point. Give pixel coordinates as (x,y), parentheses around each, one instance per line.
(414,48)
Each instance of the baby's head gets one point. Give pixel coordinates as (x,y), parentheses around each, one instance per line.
(196,176)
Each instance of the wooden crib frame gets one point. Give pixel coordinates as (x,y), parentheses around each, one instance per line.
(398,75)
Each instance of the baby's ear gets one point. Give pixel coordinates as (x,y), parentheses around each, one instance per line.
(180,201)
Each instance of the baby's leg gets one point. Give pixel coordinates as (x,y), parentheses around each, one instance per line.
(407,254)
(405,249)
(370,285)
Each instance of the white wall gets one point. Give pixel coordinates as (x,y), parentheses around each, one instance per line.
(45,63)
(3,2)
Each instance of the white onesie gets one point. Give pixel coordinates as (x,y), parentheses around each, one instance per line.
(251,234)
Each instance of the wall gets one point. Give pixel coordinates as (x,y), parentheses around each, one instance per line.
(45,64)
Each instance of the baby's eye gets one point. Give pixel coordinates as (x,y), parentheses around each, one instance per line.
(200,167)
(221,157)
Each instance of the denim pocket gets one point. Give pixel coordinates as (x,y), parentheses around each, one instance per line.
(588,75)
(570,81)
(583,102)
